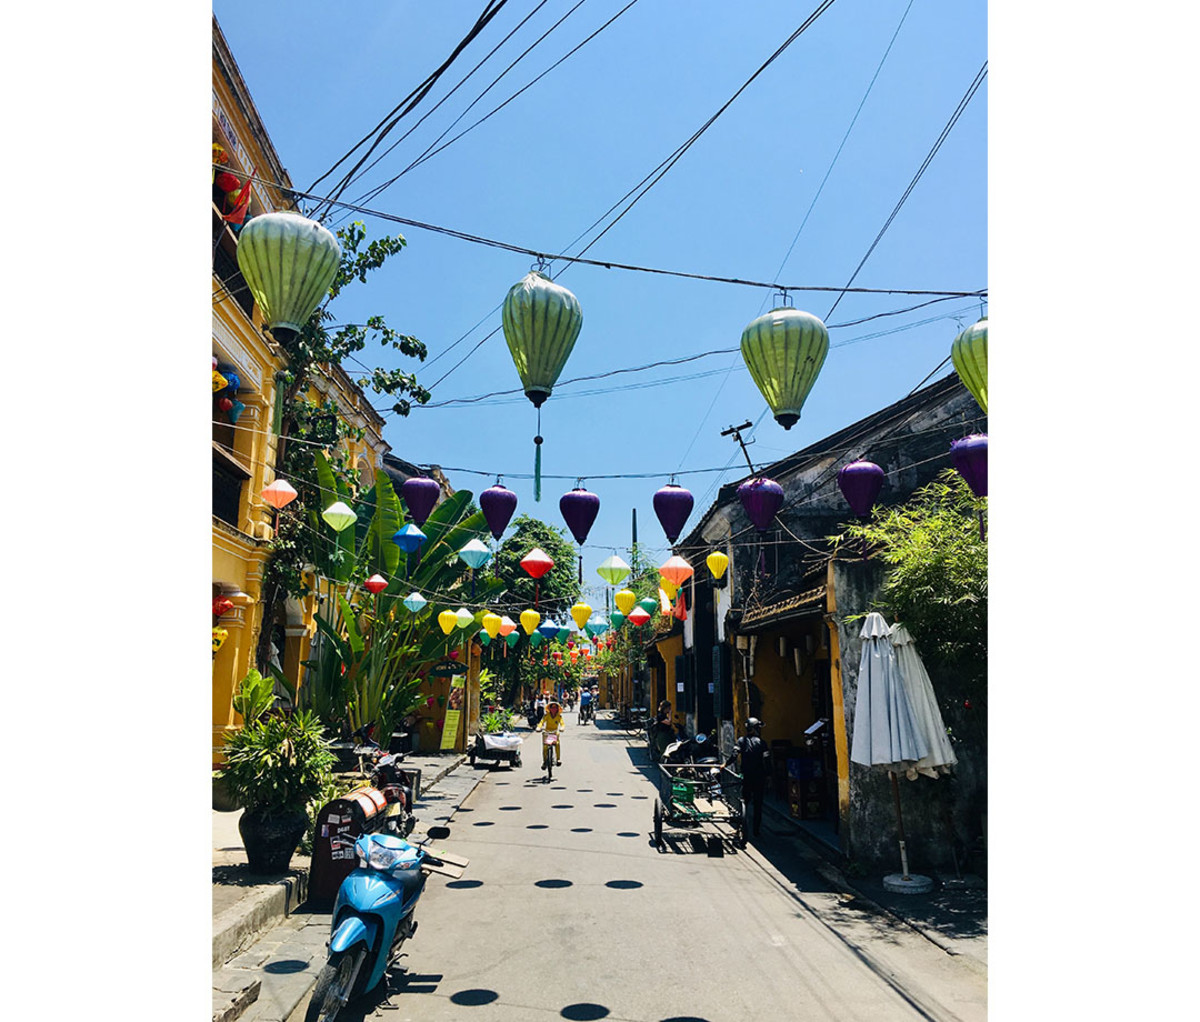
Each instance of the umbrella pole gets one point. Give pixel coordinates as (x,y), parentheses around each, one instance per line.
(899,824)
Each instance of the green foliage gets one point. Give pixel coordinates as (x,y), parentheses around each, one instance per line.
(278,763)
(937,578)
(498,720)
(489,686)
(255,695)
(368,664)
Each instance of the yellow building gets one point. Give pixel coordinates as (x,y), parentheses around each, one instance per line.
(244,451)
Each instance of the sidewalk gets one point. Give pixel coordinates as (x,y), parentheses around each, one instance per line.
(953,915)
(267,947)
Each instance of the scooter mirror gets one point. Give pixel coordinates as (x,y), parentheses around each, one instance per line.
(438,833)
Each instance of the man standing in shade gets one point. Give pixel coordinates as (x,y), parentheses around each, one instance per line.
(755,755)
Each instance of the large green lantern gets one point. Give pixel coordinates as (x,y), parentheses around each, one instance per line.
(289,262)
(784,351)
(542,321)
(969,355)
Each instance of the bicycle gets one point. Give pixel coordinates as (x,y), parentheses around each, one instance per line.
(549,741)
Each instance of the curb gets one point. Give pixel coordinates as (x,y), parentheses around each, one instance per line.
(256,913)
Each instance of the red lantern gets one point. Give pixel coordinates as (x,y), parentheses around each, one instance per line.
(228,182)
(375,585)
(224,404)
(638,616)
(221,605)
(536,563)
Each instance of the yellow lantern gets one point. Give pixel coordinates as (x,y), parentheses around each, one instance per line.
(717,563)
(664,604)
(581,612)
(529,620)
(219,381)
(219,636)
(491,624)
(448,620)
(668,587)
(625,600)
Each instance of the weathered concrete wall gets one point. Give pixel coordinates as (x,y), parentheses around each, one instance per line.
(937,812)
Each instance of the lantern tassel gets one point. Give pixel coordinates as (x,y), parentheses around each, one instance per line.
(537,459)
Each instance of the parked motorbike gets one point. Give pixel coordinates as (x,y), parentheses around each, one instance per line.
(397,785)
(700,750)
(372,918)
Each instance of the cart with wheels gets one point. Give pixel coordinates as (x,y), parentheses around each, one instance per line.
(694,796)
(498,747)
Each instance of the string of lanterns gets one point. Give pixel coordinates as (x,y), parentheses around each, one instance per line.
(784,350)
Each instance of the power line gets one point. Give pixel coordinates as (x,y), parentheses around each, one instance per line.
(377,190)
(980,75)
(405,106)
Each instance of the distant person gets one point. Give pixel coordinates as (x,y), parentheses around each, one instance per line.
(585,705)
(553,724)
(755,758)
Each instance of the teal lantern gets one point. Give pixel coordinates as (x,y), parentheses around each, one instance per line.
(483,637)
(474,555)
(617,619)
(784,351)
(415,602)
(563,634)
(596,626)
(542,321)
(512,638)
(649,604)
(536,639)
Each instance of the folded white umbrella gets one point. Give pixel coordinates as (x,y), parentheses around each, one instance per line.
(885,731)
(923,702)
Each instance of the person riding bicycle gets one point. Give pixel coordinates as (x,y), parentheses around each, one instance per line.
(585,704)
(553,723)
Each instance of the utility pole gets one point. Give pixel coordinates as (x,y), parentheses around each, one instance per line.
(736,433)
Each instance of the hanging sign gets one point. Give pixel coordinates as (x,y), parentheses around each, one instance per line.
(454,707)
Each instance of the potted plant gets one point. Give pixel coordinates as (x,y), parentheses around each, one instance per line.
(274,766)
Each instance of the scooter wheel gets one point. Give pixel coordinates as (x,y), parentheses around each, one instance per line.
(332,989)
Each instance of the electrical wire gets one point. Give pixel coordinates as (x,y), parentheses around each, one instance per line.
(976,82)
(380,188)
(404,107)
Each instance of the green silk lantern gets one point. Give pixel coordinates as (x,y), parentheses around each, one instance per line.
(536,639)
(649,604)
(288,262)
(464,617)
(617,620)
(969,353)
(339,516)
(512,638)
(483,637)
(542,321)
(625,600)
(784,351)
(613,570)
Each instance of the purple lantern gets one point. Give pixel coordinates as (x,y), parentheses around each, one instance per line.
(761,498)
(579,509)
(420,494)
(969,456)
(497,504)
(860,482)
(672,504)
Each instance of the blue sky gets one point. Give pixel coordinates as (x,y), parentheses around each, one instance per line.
(540,171)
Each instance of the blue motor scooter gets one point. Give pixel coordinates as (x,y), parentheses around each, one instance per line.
(372,917)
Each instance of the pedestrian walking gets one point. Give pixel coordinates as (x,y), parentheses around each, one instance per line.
(754,766)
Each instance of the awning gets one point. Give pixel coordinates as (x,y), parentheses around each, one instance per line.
(761,617)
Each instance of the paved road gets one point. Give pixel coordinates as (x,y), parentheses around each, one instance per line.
(567,911)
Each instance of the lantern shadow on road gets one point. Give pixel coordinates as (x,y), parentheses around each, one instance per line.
(624,885)
(584,1012)
(285,966)
(581,830)
(552,884)
(474,997)
(464,884)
